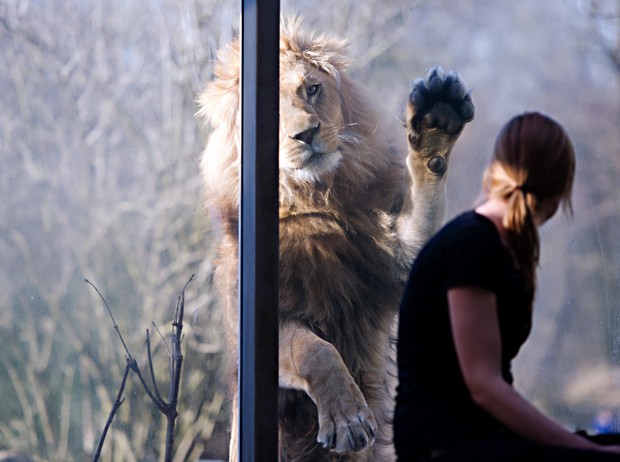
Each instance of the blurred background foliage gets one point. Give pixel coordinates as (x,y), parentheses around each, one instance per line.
(99,179)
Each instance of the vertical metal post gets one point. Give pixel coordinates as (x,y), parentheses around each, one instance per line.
(258,339)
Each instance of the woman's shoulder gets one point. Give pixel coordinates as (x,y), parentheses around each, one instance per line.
(470,224)
(469,233)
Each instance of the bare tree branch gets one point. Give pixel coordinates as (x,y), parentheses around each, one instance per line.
(176,362)
(117,404)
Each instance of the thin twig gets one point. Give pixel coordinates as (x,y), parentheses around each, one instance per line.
(148,350)
(161,405)
(191,278)
(117,404)
(163,339)
(113,320)
(133,364)
(176,362)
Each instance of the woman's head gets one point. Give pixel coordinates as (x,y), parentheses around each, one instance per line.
(532,169)
(533,158)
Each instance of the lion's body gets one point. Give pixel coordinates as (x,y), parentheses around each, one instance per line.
(353,213)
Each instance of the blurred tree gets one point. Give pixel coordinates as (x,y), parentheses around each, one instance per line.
(604,17)
(99,172)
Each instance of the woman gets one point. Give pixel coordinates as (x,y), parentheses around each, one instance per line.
(467,310)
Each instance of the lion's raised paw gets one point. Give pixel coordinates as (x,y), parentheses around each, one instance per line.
(442,100)
(439,106)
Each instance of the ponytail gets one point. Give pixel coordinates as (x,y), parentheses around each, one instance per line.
(522,235)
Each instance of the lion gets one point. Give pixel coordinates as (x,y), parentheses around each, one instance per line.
(353,213)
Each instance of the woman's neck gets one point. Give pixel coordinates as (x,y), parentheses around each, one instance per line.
(494,209)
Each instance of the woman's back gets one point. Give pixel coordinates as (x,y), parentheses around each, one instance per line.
(433,402)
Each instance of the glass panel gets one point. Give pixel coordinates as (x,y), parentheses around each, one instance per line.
(99,179)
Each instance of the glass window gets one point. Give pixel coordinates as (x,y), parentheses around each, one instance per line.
(99,178)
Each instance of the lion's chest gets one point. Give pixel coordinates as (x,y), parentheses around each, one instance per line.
(333,270)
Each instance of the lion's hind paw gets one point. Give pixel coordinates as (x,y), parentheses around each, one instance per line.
(442,100)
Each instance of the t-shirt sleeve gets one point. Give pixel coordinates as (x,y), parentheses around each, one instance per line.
(475,259)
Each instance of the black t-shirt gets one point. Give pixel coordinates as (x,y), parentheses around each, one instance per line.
(433,405)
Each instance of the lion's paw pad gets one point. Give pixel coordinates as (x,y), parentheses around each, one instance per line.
(442,100)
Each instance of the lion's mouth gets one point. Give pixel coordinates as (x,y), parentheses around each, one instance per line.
(315,157)
(311,165)
(322,159)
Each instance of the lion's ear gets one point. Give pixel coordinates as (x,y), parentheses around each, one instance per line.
(219,102)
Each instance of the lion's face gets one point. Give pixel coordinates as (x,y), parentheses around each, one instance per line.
(311,120)
(327,124)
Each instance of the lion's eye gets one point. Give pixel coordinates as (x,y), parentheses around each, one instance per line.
(313,90)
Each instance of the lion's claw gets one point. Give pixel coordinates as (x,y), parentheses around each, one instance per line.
(343,431)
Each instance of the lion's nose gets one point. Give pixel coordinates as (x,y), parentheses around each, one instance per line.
(307,135)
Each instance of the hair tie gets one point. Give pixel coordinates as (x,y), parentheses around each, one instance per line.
(523,188)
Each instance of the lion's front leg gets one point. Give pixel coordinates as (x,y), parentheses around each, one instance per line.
(307,362)
(438,108)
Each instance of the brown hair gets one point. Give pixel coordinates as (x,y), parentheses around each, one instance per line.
(533,163)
